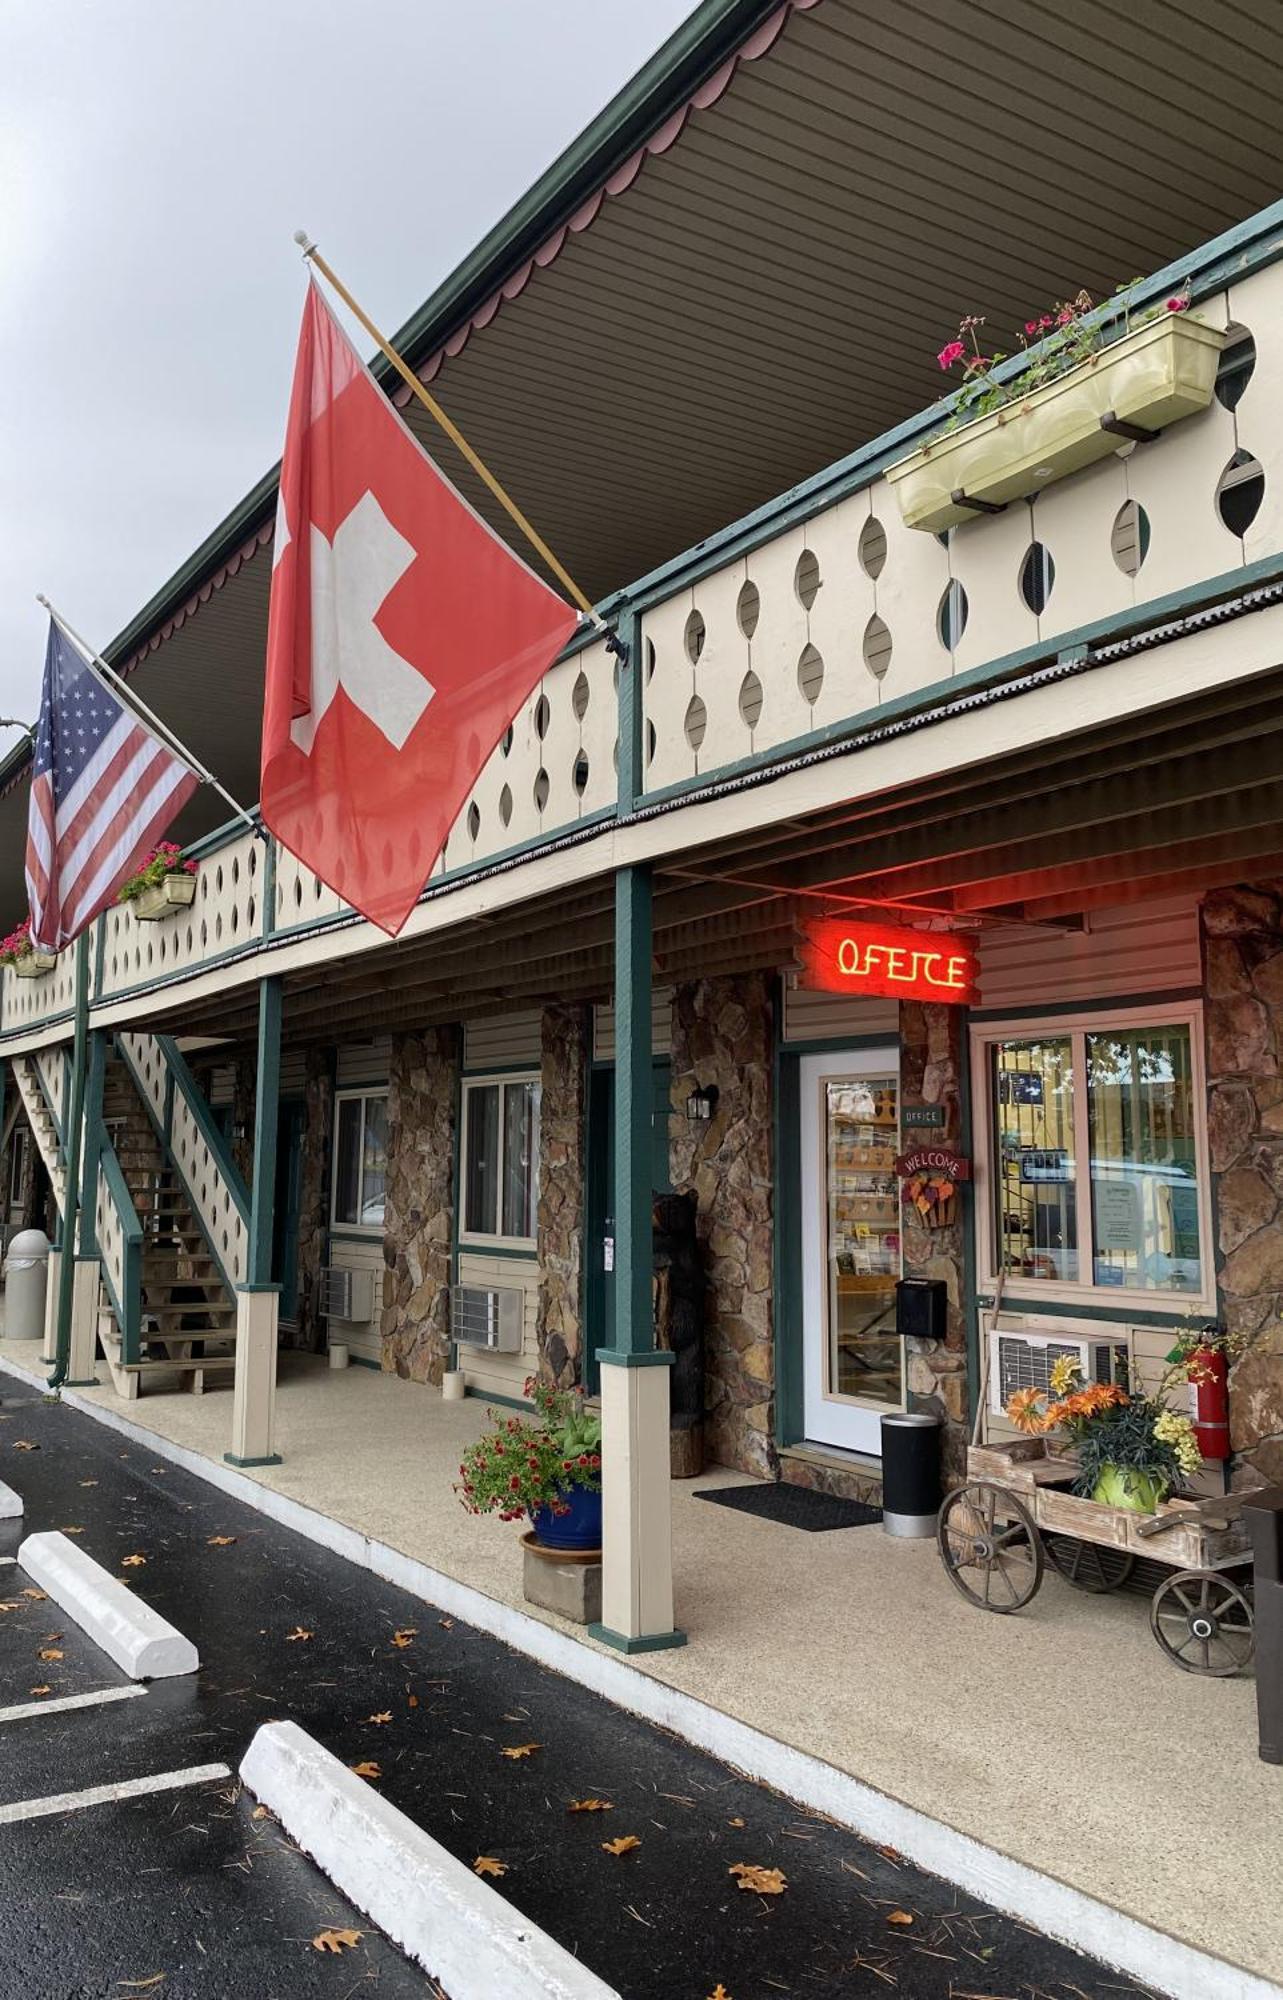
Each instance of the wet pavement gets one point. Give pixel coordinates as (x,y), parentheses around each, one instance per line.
(493,1754)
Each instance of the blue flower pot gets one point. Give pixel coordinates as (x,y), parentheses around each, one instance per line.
(578,1529)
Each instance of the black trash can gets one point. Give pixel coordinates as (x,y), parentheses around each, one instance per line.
(910,1474)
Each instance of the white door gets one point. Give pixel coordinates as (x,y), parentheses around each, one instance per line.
(852,1358)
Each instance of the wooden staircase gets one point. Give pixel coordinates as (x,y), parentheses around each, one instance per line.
(188,1312)
(48,1142)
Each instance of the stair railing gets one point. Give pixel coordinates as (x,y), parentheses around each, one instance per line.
(182,1117)
(119,1240)
(33,1088)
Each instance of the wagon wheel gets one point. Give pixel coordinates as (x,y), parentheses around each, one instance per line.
(1089,1565)
(1203,1623)
(990,1547)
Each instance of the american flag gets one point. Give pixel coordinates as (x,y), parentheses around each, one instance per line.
(103,790)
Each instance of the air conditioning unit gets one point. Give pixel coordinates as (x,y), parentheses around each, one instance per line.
(1025,1361)
(481,1316)
(347,1294)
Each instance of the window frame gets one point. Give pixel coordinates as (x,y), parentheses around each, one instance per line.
(984,1036)
(502,1080)
(359,1093)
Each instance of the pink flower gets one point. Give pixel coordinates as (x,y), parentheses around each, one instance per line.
(1177,305)
(1044,323)
(951,352)
(1031,326)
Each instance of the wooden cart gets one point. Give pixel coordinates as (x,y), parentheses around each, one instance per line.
(1016,1511)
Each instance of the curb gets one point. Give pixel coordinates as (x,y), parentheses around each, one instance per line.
(1161,1962)
(459,1930)
(138,1639)
(10,1503)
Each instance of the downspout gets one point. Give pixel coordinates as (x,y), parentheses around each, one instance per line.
(71,1196)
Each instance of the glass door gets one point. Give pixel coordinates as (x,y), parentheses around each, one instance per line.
(850,1133)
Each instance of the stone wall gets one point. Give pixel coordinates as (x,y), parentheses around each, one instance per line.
(244,1113)
(308,1330)
(1243,974)
(566,1044)
(930,1072)
(723,1036)
(419,1215)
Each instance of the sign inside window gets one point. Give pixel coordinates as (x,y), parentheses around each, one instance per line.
(892,961)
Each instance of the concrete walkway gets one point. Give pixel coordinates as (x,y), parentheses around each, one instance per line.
(1060,1737)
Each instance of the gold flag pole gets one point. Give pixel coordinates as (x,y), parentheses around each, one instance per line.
(452,431)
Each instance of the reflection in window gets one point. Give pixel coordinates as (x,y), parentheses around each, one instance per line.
(501,1158)
(1144,1185)
(1034,1150)
(360,1160)
(482,1139)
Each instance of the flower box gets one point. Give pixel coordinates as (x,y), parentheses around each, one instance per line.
(173,892)
(1151,378)
(35,964)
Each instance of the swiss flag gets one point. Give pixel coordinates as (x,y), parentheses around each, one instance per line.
(403,637)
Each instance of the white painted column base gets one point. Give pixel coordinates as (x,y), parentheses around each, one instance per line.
(138,1639)
(461,1931)
(254,1395)
(83,1349)
(51,1306)
(11,1506)
(637,1530)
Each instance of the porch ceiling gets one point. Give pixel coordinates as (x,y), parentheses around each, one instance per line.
(1153,808)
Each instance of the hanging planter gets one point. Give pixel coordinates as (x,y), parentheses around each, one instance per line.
(24,958)
(1073,405)
(173,892)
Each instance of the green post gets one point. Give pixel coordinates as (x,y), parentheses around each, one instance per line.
(71,1159)
(266,1110)
(97,1058)
(634,1104)
(632,682)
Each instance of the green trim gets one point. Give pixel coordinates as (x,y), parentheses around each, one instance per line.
(62,1351)
(95,1140)
(1184,996)
(267,1096)
(82,1382)
(531,1069)
(503,1402)
(269,887)
(257,1289)
(363,1361)
(456,1178)
(966,1146)
(653,1357)
(634,1103)
(631,706)
(835,1044)
(1107,1315)
(786,1277)
(345,1233)
(273,1458)
(649,1642)
(100,957)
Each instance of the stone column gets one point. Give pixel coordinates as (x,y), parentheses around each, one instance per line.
(244,1089)
(418,1225)
(314,1197)
(566,1032)
(1243,977)
(723,1038)
(930,1073)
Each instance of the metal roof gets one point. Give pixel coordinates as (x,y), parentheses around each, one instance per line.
(742,271)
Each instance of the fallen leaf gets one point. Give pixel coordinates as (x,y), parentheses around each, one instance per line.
(50,1653)
(890,1854)
(624,1845)
(485,1864)
(368,1770)
(447,1622)
(299,1632)
(36,1596)
(41,1690)
(766,1881)
(521,1750)
(336,1941)
(51,1638)
(71,1531)
(590,1805)
(261,1812)
(384,1715)
(24,1444)
(734,1822)
(405,1638)
(719,1992)
(9,1604)
(132,1562)
(413,1701)
(899,1917)
(220,1541)
(138,1985)
(94,1482)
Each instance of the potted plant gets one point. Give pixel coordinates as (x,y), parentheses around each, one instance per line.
(164,882)
(548,1469)
(1092,378)
(27,959)
(1132,1450)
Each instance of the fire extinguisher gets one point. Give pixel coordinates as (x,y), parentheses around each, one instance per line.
(1209,1394)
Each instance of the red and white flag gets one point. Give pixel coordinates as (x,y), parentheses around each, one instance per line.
(402,639)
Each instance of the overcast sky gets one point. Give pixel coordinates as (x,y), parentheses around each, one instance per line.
(156,157)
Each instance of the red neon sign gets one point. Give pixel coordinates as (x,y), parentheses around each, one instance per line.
(838,957)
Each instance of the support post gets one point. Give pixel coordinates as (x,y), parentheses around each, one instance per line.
(637,1555)
(258,1299)
(83,1347)
(71,1139)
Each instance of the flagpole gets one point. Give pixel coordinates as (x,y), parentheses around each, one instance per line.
(451,429)
(137,706)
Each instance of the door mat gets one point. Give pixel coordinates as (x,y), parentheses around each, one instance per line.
(793,1506)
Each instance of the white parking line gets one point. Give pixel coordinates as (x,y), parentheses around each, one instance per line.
(21,1709)
(106,1795)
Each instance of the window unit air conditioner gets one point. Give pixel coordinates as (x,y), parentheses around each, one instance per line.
(481,1316)
(347,1294)
(1025,1361)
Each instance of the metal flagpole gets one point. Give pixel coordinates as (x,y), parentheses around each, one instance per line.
(452,431)
(112,681)
(71,1188)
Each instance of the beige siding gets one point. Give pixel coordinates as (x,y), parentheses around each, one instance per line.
(832,1017)
(503,1042)
(1134,950)
(293,1074)
(501,1374)
(661,1027)
(364,1063)
(351,1253)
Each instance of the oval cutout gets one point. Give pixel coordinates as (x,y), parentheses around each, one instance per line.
(810,674)
(750,699)
(748,609)
(951,615)
(1129,537)
(1037,577)
(1240,491)
(806,578)
(693,637)
(695,722)
(876,647)
(871,549)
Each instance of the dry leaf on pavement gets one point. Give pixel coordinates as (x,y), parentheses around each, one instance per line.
(719,1992)
(517,1750)
(71,1531)
(94,1482)
(132,1562)
(899,1917)
(37,1596)
(447,1622)
(299,1632)
(41,1690)
(485,1864)
(50,1653)
(384,1715)
(624,1845)
(766,1881)
(261,1812)
(590,1805)
(406,1637)
(368,1770)
(220,1541)
(24,1444)
(734,1822)
(336,1941)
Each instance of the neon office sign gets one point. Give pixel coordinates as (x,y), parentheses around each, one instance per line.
(902,964)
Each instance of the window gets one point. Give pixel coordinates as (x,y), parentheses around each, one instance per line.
(360,1159)
(1094,1156)
(501,1158)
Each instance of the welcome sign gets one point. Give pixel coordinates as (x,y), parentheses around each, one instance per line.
(887,960)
